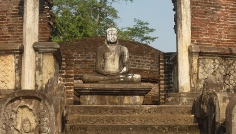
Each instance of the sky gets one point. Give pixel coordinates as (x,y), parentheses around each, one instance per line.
(158,13)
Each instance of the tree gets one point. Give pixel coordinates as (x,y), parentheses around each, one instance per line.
(76,19)
(138,33)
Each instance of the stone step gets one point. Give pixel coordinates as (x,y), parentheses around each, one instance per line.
(181,98)
(137,119)
(129,110)
(132,129)
(131,119)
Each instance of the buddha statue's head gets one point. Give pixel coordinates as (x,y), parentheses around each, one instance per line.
(111,35)
(26,125)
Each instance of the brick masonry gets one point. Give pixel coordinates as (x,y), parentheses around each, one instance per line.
(213,22)
(11,21)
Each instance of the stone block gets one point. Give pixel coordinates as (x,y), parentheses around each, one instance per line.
(112,94)
(10,66)
(48,59)
(7,71)
(181,98)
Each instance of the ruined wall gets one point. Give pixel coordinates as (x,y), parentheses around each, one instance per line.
(213,42)
(79,58)
(11,21)
(11,40)
(213,22)
(24,110)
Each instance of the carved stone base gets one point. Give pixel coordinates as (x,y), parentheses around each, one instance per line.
(112,94)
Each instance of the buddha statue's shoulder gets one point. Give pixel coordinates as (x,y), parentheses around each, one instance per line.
(120,47)
(123,48)
(102,48)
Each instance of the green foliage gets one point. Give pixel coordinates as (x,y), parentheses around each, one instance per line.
(138,33)
(76,19)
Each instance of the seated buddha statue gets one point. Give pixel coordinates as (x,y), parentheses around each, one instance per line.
(112,63)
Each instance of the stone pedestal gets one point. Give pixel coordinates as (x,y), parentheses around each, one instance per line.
(112,94)
(48,60)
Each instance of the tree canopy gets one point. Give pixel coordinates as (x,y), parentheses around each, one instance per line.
(76,19)
(138,33)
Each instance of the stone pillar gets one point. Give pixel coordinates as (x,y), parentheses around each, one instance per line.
(194,67)
(30,35)
(183,42)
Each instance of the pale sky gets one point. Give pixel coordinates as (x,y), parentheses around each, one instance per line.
(158,13)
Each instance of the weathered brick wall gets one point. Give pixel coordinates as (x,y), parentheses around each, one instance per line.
(46,20)
(79,58)
(143,58)
(213,22)
(11,21)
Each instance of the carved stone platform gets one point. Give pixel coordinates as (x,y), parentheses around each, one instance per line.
(112,94)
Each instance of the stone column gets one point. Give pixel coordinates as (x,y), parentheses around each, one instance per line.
(30,35)
(183,42)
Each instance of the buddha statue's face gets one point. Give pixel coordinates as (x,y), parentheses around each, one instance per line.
(112,35)
(26,126)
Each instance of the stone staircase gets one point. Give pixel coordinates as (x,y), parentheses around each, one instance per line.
(130,119)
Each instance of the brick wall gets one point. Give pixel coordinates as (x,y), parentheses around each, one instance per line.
(213,22)
(46,20)
(143,58)
(11,21)
(79,58)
